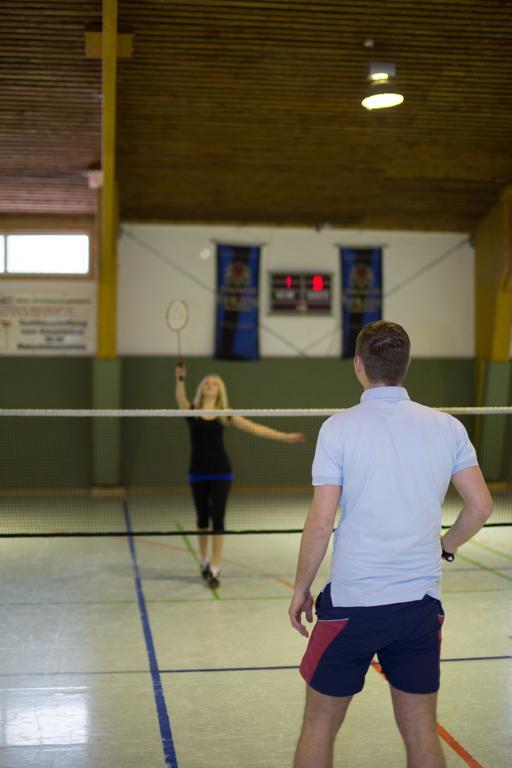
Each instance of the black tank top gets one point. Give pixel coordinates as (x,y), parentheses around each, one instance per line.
(208,454)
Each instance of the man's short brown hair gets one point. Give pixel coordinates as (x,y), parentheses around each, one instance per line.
(384,348)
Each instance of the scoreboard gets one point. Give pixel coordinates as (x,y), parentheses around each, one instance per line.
(301,292)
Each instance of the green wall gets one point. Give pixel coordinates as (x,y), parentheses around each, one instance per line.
(156,450)
(148,382)
(45,452)
(58,452)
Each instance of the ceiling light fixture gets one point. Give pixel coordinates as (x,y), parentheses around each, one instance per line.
(382,93)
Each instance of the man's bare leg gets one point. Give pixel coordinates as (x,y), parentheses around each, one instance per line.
(415,715)
(323,716)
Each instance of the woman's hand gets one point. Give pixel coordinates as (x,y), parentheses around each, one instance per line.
(294,437)
(180,373)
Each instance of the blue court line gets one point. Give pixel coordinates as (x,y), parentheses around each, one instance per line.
(161,707)
(477,658)
(177,671)
(296,666)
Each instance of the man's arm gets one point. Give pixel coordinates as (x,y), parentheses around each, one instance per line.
(315,538)
(471,487)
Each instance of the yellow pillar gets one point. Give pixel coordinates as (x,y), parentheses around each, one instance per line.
(107,284)
(106,432)
(493,330)
(493,285)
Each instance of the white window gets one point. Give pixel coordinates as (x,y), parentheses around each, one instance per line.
(45,254)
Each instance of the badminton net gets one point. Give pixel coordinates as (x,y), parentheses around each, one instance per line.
(106,473)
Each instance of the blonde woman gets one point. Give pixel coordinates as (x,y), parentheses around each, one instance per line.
(210,472)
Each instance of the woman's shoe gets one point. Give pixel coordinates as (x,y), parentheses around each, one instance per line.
(214,580)
(205,572)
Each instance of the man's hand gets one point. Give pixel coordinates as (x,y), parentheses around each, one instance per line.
(301,603)
(445,548)
(315,538)
(470,485)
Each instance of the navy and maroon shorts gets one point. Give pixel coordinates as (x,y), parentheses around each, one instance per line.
(406,637)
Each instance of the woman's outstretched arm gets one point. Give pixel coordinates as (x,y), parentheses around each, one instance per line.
(181,395)
(246,425)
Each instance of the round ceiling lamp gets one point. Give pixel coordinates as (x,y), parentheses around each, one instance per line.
(382,92)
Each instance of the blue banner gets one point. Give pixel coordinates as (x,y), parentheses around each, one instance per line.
(238,272)
(361,273)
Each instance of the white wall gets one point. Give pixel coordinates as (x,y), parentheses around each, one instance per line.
(160,263)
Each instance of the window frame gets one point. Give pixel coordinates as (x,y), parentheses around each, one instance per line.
(50,225)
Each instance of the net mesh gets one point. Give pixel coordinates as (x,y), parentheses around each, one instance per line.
(94,473)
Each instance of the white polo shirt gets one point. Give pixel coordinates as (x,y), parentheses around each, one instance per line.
(394,460)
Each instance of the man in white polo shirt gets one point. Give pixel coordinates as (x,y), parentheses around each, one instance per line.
(388,463)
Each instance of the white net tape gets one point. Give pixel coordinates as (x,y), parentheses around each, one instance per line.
(266,412)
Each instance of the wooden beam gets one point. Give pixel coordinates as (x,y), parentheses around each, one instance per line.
(94,45)
(107,284)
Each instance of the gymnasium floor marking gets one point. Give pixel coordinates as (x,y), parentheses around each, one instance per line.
(443,733)
(296,666)
(488,548)
(194,670)
(161,707)
(165,600)
(244,566)
(457,747)
(483,567)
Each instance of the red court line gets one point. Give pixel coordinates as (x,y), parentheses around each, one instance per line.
(458,748)
(286,583)
(444,734)
(152,543)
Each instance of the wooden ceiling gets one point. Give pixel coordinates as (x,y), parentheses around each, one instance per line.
(249,112)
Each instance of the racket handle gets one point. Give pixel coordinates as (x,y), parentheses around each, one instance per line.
(181,362)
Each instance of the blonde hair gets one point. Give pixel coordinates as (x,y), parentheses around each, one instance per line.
(221,402)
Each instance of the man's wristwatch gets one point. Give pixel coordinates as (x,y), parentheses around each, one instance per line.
(448,556)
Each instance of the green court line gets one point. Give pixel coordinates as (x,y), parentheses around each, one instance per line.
(155,600)
(241,599)
(69,602)
(493,550)
(224,599)
(192,551)
(491,589)
(484,567)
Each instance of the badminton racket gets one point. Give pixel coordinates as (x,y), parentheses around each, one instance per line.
(177,318)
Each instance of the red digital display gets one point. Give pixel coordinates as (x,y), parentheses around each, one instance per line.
(288,281)
(318,283)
